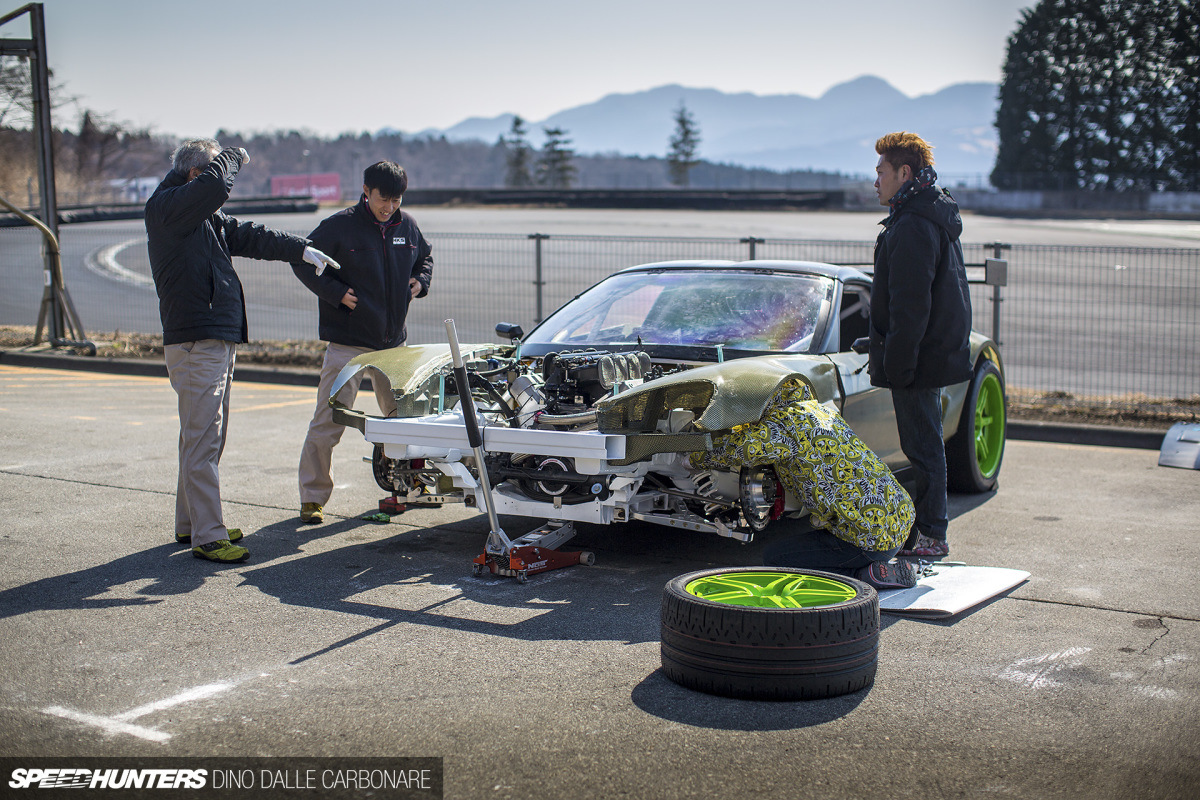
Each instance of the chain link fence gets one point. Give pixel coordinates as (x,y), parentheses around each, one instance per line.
(1075,323)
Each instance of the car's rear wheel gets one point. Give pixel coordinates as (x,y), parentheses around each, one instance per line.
(770,633)
(974,453)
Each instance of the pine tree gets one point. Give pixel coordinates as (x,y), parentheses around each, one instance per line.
(684,143)
(554,168)
(1101,94)
(520,155)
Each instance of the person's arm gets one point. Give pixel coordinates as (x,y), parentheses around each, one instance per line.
(251,240)
(912,263)
(326,286)
(186,206)
(423,270)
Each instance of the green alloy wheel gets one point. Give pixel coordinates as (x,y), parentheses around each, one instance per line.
(770,633)
(770,589)
(974,453)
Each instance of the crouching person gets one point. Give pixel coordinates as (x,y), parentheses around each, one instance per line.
(861,512)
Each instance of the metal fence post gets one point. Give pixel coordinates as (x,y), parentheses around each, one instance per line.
(537,279)
(998,249)
(752,241)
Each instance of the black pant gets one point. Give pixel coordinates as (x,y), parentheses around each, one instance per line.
(919,421)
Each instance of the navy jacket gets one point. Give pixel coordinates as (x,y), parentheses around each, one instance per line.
(920,304)
(192,244)
(377,259)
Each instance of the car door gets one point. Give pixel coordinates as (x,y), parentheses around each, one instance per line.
(867,409)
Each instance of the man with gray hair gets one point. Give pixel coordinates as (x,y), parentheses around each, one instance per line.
(203,311)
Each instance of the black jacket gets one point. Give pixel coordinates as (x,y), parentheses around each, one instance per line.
(192,244)
(377,260)
(920,305)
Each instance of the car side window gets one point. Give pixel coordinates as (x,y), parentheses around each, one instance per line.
(854,317)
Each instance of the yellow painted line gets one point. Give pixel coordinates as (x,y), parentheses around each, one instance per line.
(66,376)
(276,405)
(101,380)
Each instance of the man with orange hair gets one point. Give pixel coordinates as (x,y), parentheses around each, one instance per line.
(920,320)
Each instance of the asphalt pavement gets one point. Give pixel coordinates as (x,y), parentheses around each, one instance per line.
(359,638)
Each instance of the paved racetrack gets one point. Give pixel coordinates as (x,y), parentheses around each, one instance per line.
(1080,319)
(355,638)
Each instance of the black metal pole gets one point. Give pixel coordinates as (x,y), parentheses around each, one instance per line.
(537,272)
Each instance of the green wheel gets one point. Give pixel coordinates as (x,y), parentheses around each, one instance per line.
(771,589)
(770,633)
(974,453)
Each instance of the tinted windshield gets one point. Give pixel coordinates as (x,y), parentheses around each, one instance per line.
(739,309)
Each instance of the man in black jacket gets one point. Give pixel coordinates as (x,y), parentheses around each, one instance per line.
(203,313)
(386,263)
(920,320)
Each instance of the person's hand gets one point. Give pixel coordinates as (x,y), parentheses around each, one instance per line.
(350,299)
(245,156)
(319,260)
(414,287)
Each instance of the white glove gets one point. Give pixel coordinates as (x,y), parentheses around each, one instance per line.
(245,156)
(319,260)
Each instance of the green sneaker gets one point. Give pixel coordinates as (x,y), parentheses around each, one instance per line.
(312,513)
(235,535)
(221,551)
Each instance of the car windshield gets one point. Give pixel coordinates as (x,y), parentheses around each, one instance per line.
(741,309)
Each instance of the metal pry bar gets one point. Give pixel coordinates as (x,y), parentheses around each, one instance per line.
(498,543)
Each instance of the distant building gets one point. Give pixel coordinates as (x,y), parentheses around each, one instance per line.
(324,187)
(133,190)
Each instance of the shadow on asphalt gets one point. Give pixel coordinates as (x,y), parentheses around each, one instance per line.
(373,577)
(659,696)
(169,569)
(422,576)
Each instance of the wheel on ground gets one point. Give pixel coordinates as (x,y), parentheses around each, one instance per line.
(770,633)
(974,453)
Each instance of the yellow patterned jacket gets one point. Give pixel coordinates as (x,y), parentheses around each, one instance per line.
(819,460)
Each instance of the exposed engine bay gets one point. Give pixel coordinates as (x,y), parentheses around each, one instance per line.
(559,442)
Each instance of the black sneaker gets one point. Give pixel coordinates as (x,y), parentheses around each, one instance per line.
(888,575)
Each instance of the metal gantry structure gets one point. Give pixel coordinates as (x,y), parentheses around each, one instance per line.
(57,315)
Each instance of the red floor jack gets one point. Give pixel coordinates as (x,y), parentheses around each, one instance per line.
(535,551)
(392,505)
(532,553)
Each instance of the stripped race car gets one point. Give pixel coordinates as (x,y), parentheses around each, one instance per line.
(596,415)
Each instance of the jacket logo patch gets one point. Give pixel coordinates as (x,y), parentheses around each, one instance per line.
(397,240)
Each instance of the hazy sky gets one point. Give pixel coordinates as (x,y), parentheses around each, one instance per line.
(190,68)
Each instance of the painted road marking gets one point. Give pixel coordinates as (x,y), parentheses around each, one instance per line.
(109,725)
(1039,672)
(120,723)
(198,693)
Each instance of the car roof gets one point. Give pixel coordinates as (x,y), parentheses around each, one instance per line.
(834,271)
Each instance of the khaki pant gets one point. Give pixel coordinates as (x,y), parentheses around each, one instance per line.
(201,373)
(316,480)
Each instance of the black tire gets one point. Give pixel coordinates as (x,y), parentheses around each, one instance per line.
(770,653)
(974,456)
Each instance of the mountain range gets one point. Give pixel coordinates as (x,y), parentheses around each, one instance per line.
(835,132)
